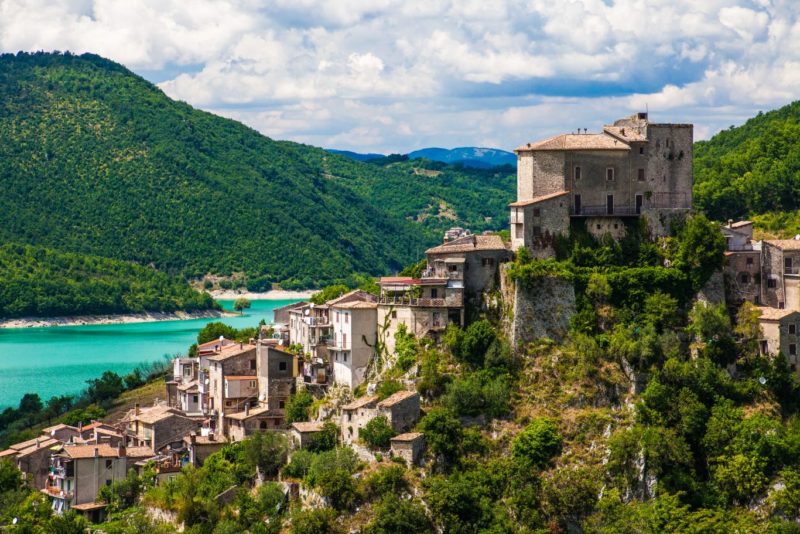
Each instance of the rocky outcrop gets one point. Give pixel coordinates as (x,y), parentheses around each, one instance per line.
(538,309)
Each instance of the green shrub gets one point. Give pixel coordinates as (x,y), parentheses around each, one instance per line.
(377,432)
(538,443)
(298,405)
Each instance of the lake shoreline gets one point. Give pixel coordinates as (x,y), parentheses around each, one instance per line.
(273,294)
(125,318)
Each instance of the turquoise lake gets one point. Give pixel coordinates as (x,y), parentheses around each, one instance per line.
(58,360)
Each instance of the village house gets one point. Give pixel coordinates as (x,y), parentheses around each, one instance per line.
(157,426)
(409,447)
(201,446)
(780,333)
(633,169)
(780,278)
(310,327)
(303,433)
(352,345)
(402,410)
(742,262)
(78,472)
(227,380)
(32,457)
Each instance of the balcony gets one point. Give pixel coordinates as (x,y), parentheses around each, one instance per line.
(604,211)
(452,301)
(317,321)
(442,274)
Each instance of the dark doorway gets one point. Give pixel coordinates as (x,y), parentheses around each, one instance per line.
(577,204)
(639,201)
(610,204)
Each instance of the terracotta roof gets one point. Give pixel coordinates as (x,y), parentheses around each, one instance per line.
(241,377)
(536,200)
(600,141)
(89,506)
(231,351)
(396,398)
(240,416)
(408,436)
(361,402)
(310,426)
(784,244)
(205,440)
(357,305)
(739,224)
(774,314)
(8,452)
(87,451)
(139,452)
(356,295)
(470,243)
(59,426)
(189,386)
(399,280)
(154,414)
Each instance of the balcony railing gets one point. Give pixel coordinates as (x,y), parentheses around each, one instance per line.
(604,211)
(317,321)
(452,301)
(443,274)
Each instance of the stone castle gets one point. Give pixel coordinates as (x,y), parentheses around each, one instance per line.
(632,169)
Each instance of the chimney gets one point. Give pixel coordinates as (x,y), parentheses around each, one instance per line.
(80,426)
(37,443)
(246,409)
(730,223)
(96,452)
(136,410)
(211,436)
(193,438)
(121,452)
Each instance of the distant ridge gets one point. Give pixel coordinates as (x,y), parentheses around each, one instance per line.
(468,156)
(355,155)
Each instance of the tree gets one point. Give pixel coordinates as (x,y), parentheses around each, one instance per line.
(538,443)
(701,248)
(267,451)
(105,389)
(325,439)
(478,337)
(443,433)
(10,476)
(316,521)
(329,293)
(30,404)
(298,405)
(241,304)
(398,516)
(377,432)
(387,388)
(215,330)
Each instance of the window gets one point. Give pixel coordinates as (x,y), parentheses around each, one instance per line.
(252,365)
(792,329)
(780,305)
(744,278)
(641,175)
(641,150)
(749,261)
(281,366)
(336,317)
(344,357)
(454,268)
(394,314)
(599,227)
(792,349)
(577,173)
(281,404)
(109,464)
(772,283)
(537,212)
(253,384)
(108,482)
(346,317)
(194,399)
(536,231)
(434,293)
(487,262)
(787,264)
(610,174)
(763,344)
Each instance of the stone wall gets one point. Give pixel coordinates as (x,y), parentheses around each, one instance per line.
(541,310)
(713,292)
(600,226)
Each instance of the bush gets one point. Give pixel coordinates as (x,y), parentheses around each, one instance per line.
(267,451)
(316,521)
(387,481)
(471,345)
(299,464)
(298,405)
(395,516)
(377,432)
(478,393)
(387,388)
(538,443)
(325,439)
(443,433)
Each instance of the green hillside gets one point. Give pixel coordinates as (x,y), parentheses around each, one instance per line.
(36,281)
(97,160)
(752,169)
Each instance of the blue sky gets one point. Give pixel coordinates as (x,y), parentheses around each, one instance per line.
(397,75)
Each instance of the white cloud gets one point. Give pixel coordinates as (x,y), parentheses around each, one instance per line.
(394,75)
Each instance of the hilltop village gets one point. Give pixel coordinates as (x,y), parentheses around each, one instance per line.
(633,172)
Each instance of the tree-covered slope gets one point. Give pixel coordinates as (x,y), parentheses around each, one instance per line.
(752,169)
(95,159)
(36,281)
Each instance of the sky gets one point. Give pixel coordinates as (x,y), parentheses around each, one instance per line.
(397,75)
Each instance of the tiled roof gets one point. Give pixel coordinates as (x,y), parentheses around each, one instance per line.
(231,351)
(139,452)
(774,314)
(408,436)
(396,398)
(469,243)
(87,451)
(739,224)
(361,402)
(576,142)
(536,200)
(357,305)
(154,414)
(626,133)
(241,416)
(309,426)
(784,244)
(27,447)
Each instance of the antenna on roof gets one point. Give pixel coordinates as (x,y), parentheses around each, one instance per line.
(585,130)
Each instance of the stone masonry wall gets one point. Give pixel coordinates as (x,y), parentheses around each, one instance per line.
(543,310)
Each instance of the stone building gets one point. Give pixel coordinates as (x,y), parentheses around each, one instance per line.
(32,457)
(201,446)
(409,446)
(742,263)
(780,333)
(780,278)
(473,260)
(632,169)
(304,432)
(354,319)
(157,426)
(402,410)
(227,380)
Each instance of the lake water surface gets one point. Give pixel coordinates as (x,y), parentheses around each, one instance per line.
(58,360)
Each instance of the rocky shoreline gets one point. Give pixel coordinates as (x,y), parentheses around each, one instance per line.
(274,294)
(81,320)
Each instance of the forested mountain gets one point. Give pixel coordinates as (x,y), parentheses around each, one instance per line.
(36,281)
(95,159)
(469,156)
(750,169)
